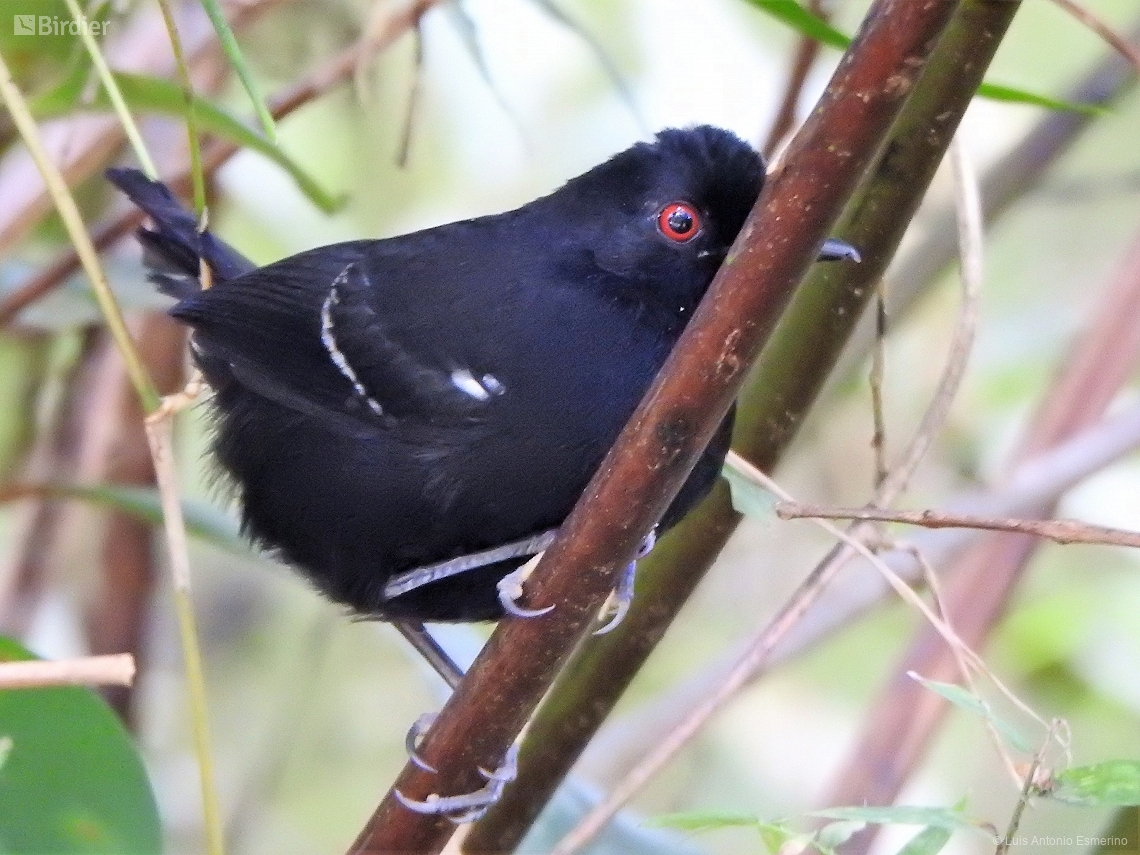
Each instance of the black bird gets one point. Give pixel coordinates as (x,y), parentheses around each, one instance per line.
(383,405)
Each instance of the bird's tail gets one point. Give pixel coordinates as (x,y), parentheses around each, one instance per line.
(174,248)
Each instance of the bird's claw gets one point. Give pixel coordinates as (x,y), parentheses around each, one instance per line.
(469,806)
(510,589)
(622,598)
(412,740)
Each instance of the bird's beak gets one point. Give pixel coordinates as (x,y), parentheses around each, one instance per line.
(837,250)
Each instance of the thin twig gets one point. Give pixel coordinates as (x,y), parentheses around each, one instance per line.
(935,588)
(113,670)
(84,248)
(969,209)
(113,91)
(878,369)
(1027,790)
(1059,531)
(904,722)
(1119,43)
(198,180)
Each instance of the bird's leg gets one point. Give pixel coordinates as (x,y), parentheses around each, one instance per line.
(172,405)
(622,597)
(420,576)
(435,656)
(469,806)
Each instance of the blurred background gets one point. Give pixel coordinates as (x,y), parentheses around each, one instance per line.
(308,707)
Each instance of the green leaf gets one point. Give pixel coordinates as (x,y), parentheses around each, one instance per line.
(698,821)
(794,15)
(802,21)
(835,834)
(748,497)
(72,781)
(1111,783)
(929,841)
(775,836)
(997,92)
(961,698)
(937,817)
(146,93)
(234,54)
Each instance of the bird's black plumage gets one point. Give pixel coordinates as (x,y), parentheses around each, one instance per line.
(386,404)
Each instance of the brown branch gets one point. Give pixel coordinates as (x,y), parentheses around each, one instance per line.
(678,416)
(791,372)
(1060,531)
(854,539)
(905,718)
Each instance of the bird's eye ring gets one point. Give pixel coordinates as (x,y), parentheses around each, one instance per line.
(679,222)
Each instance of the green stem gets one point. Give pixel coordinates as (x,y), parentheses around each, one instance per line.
(113,91)
(84,248)
(196,174)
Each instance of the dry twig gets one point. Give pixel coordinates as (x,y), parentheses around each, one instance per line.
(112,670)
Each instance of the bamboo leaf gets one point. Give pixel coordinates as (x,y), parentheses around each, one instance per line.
(748,497)
(792,14)
(1111,783)
(931,817)
(237,60)
(156,95)
(997,92)
(929,841)
(961,698)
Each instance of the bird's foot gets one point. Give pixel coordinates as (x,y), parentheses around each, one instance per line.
(622,597)
(172,405)
(511,590)
(469,806)
(412,740)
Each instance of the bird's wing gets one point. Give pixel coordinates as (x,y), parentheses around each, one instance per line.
(308,333)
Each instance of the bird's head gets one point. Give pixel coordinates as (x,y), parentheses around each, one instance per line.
(661,216)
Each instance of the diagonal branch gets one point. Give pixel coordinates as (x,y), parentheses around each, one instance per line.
(678,416)
(789,375)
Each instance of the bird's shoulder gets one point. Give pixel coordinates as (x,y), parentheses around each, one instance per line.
(371,334)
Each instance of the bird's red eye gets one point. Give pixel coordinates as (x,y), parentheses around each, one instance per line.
(679,221)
